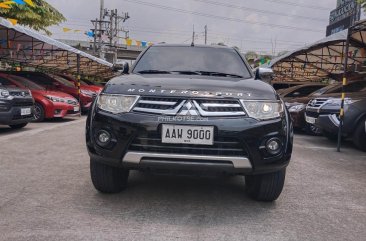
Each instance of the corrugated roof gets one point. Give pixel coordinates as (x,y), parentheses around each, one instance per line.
(30,48)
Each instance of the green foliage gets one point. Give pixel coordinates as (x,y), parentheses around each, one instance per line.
(363,4)
(39,17)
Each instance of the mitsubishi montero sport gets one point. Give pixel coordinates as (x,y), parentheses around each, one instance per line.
(190,109)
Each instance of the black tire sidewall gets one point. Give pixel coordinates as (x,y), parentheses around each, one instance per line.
(42,112)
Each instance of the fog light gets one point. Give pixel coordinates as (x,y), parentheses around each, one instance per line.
(273,146)
(104,137)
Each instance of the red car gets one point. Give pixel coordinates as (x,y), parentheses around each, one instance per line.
(48,104)
(94,88)
(57,83)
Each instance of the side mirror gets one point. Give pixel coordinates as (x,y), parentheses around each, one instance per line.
(123,67)
(264,74)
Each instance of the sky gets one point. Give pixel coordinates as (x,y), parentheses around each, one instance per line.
(265,26)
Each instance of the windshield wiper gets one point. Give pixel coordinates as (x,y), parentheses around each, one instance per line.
(219,74)
(154,71)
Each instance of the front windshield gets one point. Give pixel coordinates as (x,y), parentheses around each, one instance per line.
(62,80)
(27,83)
(322,90)
(192,60)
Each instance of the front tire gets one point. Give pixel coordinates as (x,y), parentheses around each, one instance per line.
(39,113)
(108,179)
(265,187)
(359,136)
(19,126)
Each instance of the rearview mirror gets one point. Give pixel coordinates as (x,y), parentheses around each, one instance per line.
(123,67)
(264,74)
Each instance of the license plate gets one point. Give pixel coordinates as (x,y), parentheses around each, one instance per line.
(310,120)
(76,108)
(195,135)
(25,111)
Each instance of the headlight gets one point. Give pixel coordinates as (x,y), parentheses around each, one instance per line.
(116,103)
(263,110)
(88,92)
(55,99)
(337,102)
(4,93)
(297,108)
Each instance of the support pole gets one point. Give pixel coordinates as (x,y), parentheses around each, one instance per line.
(78,79)
(344,83)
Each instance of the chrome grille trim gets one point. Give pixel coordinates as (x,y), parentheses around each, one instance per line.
(316,104)
(221,105)
(201,107)
(160,111)
(152,102)
(218,113)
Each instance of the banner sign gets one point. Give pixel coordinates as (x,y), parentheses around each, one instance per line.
(345,9)
(344,16)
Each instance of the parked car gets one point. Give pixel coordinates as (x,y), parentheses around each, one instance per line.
(324,113)
(48,104)
(296,106)
(16,105)
(93,88)
(182,111)
(300,91)
(55,83)
(278,86)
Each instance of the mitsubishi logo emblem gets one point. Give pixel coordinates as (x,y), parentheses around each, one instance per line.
(188,109)
(313,102)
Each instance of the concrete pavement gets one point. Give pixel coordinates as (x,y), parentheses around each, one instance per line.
(46,194)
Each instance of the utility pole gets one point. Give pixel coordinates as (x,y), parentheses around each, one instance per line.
(109,28)
(205,34)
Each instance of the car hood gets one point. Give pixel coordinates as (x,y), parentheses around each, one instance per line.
(52,93)
(93,88)
(190,86)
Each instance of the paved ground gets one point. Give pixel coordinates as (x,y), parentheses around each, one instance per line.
(46,194)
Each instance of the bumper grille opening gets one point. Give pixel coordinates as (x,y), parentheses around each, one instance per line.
(221,147)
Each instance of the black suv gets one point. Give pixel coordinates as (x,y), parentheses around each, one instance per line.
(16,105)
(188,110)
(323,112)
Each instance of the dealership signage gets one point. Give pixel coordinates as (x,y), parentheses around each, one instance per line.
(345,15)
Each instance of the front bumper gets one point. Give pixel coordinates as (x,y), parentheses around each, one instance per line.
(239,144)
(60,110)
(13,116)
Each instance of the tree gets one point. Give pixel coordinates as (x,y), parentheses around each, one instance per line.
(363,4)
(39,17)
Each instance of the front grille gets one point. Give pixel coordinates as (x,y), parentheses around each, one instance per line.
(23,103)
(221,147)
(71,112)
(71,102)
(190,107)
(312,114)
(317,103)
(21,117)
(19,93)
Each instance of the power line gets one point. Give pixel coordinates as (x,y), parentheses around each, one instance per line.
(299,5)
(221,17)
(258,10)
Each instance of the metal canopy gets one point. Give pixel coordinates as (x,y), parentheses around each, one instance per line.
(322,59)
(31,49)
